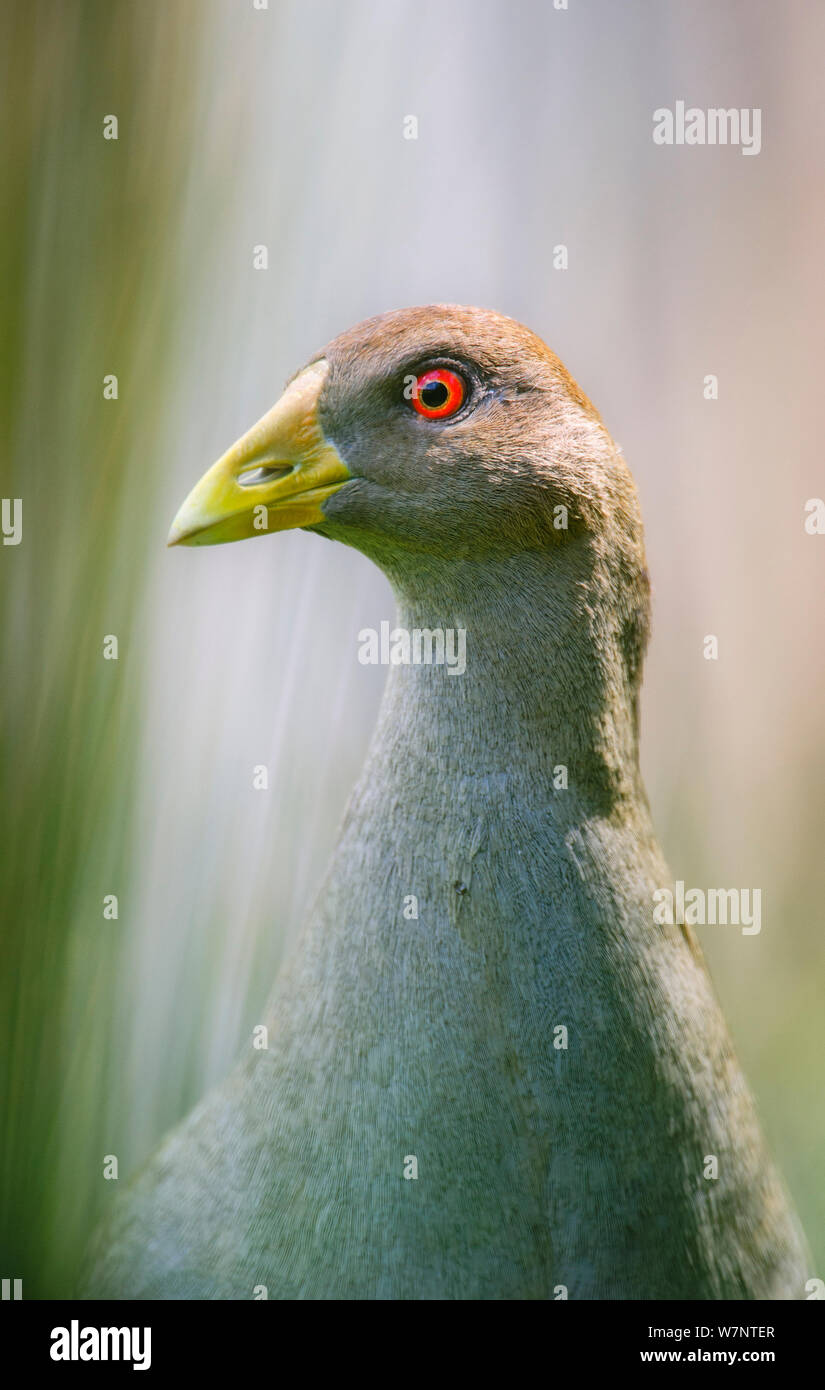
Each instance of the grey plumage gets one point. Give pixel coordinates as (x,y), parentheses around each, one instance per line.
(538,1167)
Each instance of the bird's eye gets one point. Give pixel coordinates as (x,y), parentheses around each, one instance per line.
(438,393)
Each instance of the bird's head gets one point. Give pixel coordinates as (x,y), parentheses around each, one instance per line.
(443,431)
(452,447)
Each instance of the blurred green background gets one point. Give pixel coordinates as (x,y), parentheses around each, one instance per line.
(284,127)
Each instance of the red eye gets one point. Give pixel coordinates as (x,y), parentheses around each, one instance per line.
(438,393)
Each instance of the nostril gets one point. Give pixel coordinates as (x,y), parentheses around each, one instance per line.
(259,474)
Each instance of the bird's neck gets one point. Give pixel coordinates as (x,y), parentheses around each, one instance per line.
(544,696)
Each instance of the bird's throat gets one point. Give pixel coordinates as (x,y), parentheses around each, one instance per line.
(537,689)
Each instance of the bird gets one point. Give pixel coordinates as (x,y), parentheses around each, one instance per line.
(490,1072)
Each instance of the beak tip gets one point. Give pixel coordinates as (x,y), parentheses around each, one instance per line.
(181,529)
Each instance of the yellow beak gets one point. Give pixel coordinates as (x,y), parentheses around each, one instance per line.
(275,477)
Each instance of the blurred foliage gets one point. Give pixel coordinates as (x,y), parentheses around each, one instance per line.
(87,272)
